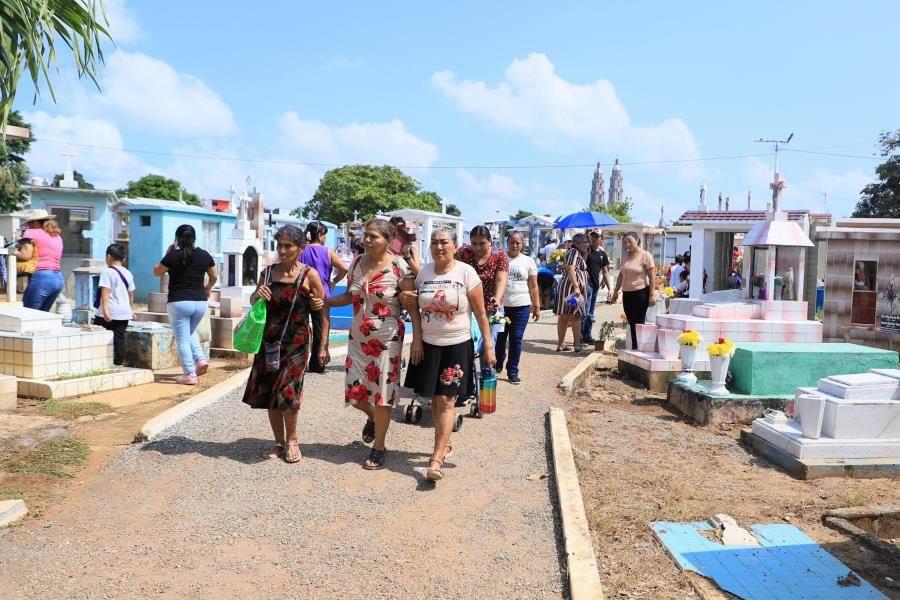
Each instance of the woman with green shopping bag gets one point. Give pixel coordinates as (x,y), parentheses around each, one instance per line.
(276,378)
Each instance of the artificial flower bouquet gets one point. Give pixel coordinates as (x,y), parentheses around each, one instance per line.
(558,255)
(669,291)
(724,347)
(690,338)
(499,319)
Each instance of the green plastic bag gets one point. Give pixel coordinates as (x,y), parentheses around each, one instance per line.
(249,333)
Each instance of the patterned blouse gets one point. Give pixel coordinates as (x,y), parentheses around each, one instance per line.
(497,262)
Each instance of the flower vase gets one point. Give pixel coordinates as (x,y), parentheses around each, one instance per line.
(718,367)
(496,329)
(762,293)
(688,356)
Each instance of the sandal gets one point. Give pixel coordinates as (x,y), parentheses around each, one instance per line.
(275,451)
(435,474)
(448,452)
(368,432)
(564,348)
(292,444)
(376,460)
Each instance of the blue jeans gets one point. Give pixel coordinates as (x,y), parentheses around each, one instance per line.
(587,322)
(42,290)
(184,317)
(515,330)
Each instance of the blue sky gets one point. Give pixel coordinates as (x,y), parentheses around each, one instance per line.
(455,91)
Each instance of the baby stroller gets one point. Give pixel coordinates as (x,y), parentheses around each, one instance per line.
(464,402)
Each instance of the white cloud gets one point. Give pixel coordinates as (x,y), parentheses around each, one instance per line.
(143,93)
(494,185)
(123,25)
(375,143)
(533,100)
(107,168)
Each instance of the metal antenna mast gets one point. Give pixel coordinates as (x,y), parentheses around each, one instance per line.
(777,185)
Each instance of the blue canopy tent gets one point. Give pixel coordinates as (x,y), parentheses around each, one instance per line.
(584,219)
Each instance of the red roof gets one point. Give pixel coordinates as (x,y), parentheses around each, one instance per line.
(743,215)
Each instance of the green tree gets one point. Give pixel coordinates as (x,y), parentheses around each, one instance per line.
(452,209)
(30,31)
(82,184)
(368,190)
(620,211)
(882,199)
(13,170)
(520,215)
(158,187)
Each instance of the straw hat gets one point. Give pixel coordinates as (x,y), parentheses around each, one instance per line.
(36,215)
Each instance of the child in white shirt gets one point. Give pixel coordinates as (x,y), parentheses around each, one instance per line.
(113,304)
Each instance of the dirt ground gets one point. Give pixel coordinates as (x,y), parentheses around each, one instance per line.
(640,461)
(119,414)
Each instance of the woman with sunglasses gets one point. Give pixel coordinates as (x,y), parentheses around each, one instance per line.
(637,280)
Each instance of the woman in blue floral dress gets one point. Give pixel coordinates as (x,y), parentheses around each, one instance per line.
(372,383)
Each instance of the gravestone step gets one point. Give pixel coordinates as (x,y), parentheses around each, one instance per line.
(861,386)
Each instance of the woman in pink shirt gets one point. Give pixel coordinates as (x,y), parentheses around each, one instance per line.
(46,283)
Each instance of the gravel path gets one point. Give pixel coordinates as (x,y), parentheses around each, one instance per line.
(197,513)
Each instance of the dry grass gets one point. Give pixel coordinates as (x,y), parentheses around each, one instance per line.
(57,459)
(72,410)
(639,462)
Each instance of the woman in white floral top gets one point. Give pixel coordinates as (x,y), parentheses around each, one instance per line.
(372,383)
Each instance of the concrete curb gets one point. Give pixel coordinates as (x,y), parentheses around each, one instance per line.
(166,419)
(577,376)
(11,511)
(584,578)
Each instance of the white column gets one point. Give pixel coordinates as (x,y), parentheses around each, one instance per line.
(459,231)
(801,276)
(11,277)
(238,269)
(770,273)
(697,260)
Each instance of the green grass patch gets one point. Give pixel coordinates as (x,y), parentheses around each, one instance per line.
(72,410)
(85,374)
(51,458)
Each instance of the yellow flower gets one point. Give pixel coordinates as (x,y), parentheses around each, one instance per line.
(669,291)
(724,347)
(690,338)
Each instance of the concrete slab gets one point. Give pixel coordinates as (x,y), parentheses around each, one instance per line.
(694,401)
(788,438)
(811,468)
(859,386)
(768,368)
(8,391)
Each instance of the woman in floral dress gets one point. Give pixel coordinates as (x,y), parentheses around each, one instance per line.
(276,378)
(372,384)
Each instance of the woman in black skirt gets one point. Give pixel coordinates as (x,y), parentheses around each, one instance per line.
(448,293)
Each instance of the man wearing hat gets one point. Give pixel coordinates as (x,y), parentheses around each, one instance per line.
(46,283)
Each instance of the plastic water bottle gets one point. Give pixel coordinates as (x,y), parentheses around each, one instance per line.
(487,391)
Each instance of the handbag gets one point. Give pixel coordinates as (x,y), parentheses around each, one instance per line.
(248,334)
(273,349)
(28,267)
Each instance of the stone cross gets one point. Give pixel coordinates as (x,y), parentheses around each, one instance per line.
(777,186)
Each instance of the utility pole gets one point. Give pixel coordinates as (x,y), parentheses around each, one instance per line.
(825,194)
(777,184)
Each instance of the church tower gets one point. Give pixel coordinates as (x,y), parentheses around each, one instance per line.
(616,195)
(598,195)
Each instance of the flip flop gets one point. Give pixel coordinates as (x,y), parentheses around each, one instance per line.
(435,474)
(376,460)
(299,455)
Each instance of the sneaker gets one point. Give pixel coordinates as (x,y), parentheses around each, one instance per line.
(202,366)
(514,379)
(186,379)
(498,368)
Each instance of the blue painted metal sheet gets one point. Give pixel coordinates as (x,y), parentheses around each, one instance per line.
(786,564)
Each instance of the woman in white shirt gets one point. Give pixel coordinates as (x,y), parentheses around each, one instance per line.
(448,292)
(521,301)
